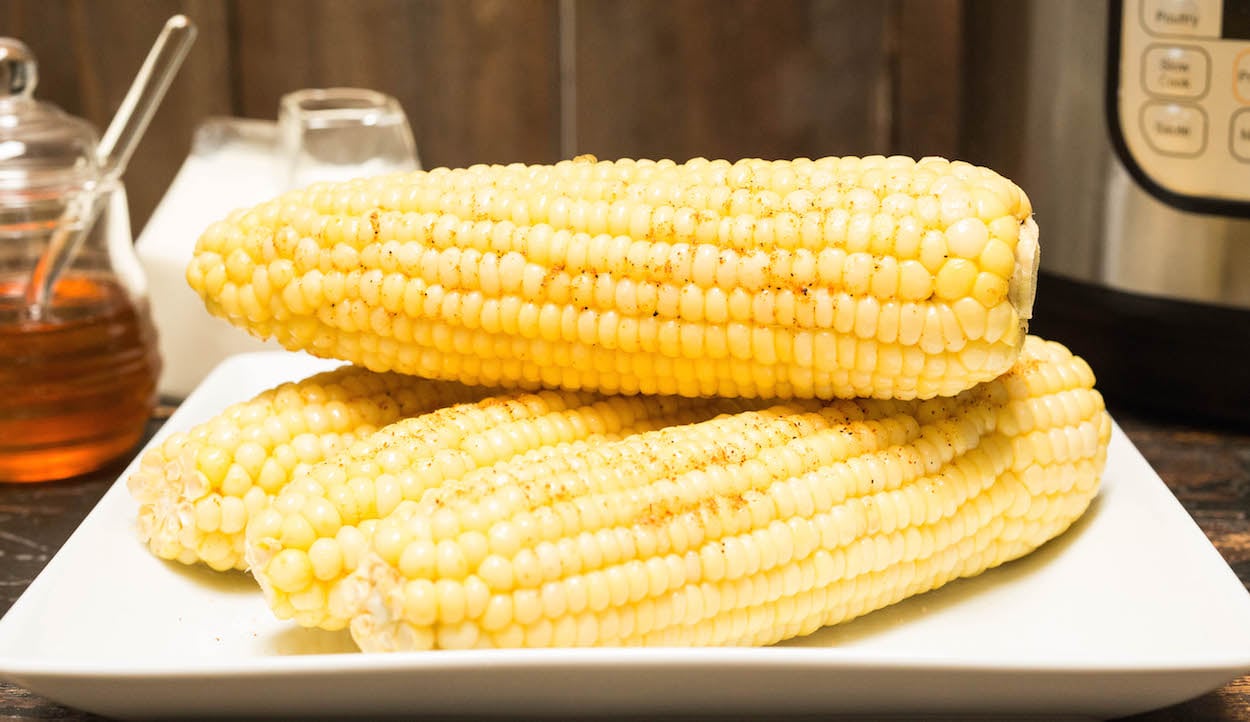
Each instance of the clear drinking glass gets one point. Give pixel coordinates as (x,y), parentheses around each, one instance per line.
(331,134)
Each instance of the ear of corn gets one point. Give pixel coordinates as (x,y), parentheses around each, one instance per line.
(197,490)
(838,277)
(557,519)
(315,532)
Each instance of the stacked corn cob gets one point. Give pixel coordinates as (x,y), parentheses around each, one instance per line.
(875,277)
(839,404)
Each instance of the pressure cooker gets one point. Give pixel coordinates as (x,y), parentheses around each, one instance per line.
(1128,124)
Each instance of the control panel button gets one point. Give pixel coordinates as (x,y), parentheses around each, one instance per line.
(1176,71)
(1241,76)
(1173,128)
(1198,18)
(1239,135)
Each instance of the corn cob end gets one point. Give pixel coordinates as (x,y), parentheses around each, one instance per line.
(1022,288)
(198,490)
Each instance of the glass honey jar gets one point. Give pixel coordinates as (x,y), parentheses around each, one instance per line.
(78,359)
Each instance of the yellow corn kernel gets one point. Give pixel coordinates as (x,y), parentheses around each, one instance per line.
(425,452)
(567,519)
(197,490)
(616,276)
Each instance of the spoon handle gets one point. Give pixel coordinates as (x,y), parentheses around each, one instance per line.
(145,94)
(113,153)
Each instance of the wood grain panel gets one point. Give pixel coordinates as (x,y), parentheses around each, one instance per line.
(995,102)
(928,87)
(731,78)
(43,26)
(88,55)
(478,79)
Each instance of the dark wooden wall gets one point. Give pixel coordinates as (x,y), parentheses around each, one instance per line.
(530,80)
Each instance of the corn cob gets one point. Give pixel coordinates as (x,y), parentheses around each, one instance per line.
(197,490)
(301,547)
(838,277)
(749,528)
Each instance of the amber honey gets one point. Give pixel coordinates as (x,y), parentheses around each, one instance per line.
(76,386)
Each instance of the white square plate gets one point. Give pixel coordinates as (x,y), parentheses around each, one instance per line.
(1130,610)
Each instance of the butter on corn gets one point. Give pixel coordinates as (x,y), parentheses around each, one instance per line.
(560,519)
(837,277)
(198,489)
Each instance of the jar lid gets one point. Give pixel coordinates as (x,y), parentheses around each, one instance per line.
(41,146)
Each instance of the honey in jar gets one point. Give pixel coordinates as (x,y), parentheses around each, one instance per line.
(76,386)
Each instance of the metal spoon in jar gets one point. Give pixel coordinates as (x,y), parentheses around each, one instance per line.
(114,151)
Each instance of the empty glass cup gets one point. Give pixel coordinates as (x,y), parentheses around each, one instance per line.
(331,134)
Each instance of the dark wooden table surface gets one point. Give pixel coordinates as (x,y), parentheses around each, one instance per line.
(1208,470)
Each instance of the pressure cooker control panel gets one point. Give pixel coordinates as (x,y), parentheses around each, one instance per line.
(1180,99)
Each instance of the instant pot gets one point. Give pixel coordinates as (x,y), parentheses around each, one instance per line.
(1128,124)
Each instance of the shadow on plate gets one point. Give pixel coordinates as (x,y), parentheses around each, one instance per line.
(232,582)
(297,640)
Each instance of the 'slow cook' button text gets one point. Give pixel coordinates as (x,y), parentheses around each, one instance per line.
(1176,72)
